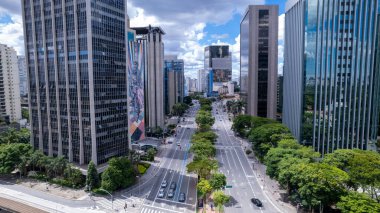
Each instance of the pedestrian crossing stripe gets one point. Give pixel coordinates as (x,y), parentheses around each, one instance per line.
(146,210)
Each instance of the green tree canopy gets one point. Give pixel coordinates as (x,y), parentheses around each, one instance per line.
(202,167)
(119,174)
(204,149)
(11,156)
(209,135)
(242,124)
(14,136)
(187,100)
(220,199)
(318,182)
(204,187)
(355,202)
(218,181)
(204,117)
(262,140)
(92,179)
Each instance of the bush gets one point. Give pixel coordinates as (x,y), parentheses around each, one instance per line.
(142,169)
(99,191)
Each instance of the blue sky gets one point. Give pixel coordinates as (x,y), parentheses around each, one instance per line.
(189,26)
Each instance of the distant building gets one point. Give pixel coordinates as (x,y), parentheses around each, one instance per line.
(280,100)
(258,60)
(218,59)
(152,37)
(174,82)
(202,80)
(76,61)
(10,103)
(331,73)
(23,77)
(231,88)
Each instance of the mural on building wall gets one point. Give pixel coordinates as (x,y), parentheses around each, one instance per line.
(136,91)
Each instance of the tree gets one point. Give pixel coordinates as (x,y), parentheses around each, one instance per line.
(14,136)
(287,149)
(151,153)
(218,181)
(241,124)
(220,199)
(119,174)
(211,136)
(179,109)
(11,156)
(355,202)
(204,117)
(260,121)
(319,183)
(202,167)
(204,149)
(92,179)
(204,188)
(73,176)
(261,138)
(25,114)
(187,100)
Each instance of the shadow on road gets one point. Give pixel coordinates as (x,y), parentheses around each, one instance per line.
(233,202)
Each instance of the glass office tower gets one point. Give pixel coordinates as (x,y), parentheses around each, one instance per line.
(75,54)
(331,92)
(174,80)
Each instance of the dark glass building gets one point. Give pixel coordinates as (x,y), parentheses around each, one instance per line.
(76,63)
(331,79)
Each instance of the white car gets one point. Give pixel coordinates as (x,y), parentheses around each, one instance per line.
(161,193)
(178,143)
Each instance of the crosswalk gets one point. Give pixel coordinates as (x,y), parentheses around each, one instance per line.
(159,210)
(118,203)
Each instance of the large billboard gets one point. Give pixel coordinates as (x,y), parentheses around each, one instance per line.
(136,67)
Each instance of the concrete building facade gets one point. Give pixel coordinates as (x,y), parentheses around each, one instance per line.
(258,60)
(152,37)
(76,63)
(331,78)
(174,82)
(10,100)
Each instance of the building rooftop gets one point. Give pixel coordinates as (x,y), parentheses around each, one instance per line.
(146,30)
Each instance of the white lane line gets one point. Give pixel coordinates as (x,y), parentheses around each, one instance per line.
(164,209)
(176,149)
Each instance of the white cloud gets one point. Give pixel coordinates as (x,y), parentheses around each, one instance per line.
(12,34)
(281,37)
(281,27)
(219,36)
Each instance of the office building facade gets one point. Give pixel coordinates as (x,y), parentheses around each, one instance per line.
(331,81)
(76,63)
(218,59)
(259,59)
(174,90)
(152,39)
(10,100)
(22,75)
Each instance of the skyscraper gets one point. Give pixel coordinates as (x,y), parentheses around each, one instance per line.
(174,82)
(10,104)
(152,37)
(22,74)
(258,60)
(202,80)
(218,59)
(76,55)
(331,91)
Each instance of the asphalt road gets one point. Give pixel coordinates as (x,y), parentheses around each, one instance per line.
(172,168)
(235,165)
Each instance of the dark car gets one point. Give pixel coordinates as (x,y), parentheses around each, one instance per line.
(173,185)
(182,197)
(257,202)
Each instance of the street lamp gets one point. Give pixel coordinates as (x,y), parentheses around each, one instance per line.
(109,194)
(138,184)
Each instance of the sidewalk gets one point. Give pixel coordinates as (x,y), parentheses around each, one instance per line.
(6,204)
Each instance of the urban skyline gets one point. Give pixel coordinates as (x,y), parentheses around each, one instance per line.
(187,39)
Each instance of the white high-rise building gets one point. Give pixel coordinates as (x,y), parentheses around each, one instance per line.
(10,105)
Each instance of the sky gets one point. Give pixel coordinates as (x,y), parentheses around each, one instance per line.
(189,26)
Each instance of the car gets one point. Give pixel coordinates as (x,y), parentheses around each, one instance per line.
(182,197)
(171,193)
(164,184)
(178,143)
(161,193)
(257,202)
(188,128)
(173,185)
